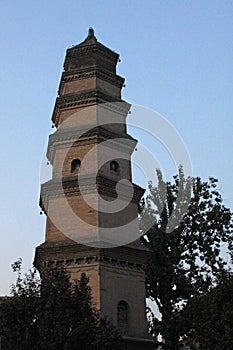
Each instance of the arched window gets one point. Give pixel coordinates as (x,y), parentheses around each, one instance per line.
(75,166)
(123,316)
(114,166)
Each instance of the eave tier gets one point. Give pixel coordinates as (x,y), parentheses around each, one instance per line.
(89,53)
(80,100)
(72,137)
(69,254)
(70,186)
(88,73)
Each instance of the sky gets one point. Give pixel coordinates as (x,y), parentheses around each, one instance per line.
(176,57)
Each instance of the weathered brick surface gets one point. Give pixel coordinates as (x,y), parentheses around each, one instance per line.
(75,211)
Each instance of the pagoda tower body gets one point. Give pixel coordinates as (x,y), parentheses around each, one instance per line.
(91,203)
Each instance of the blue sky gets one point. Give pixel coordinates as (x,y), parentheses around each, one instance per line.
(176,57)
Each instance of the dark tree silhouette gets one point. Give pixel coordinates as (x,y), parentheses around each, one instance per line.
(190,223)
(207,320)
(53,314)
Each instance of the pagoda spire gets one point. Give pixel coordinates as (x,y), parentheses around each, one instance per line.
(91,32)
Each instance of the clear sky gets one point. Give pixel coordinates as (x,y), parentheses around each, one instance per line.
(176,57)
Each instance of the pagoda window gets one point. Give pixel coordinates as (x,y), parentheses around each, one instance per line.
(114,166)
(75,166)
(123,316)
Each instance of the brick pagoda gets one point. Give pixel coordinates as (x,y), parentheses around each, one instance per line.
(90,153)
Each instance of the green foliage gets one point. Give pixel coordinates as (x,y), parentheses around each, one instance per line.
(208,320)
(53,314)
(190,223)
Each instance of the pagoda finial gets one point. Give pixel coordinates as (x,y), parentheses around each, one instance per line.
(91,32)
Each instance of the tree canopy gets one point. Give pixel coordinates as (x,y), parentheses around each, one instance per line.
(190,225)
(52,313)
(207,320)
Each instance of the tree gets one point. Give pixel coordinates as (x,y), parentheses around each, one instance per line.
(208,320)
(190,223)
(52,313)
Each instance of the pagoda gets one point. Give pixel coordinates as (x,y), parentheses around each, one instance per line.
(91,203)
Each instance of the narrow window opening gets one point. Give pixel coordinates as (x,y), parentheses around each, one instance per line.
(123,316)
(114,166)
(75,166)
